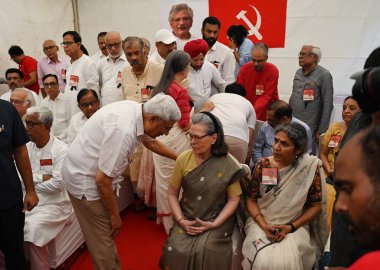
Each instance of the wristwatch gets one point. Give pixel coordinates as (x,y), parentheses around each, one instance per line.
(293,227)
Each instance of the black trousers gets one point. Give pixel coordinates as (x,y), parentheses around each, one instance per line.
(12,236)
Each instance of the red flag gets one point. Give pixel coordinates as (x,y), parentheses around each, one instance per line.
(265,20)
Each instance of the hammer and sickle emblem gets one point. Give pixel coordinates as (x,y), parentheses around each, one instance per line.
(253,29)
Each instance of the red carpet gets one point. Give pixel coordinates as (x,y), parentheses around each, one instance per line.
(139,244)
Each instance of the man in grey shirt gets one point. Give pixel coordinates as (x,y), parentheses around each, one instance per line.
(312,96)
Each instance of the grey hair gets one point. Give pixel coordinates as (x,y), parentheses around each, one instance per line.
(130,40)
(45,116)
(261,45)
(29,96)
(164,106)
(203,119)
(297,135)
(177,8)
(317,52)
(146,42)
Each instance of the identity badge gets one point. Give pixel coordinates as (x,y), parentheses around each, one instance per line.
(308,94)
(269,176)
(334,141)
(74,80)
(259,90)
(63,74)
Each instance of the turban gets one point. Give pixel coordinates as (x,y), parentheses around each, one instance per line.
(196,47)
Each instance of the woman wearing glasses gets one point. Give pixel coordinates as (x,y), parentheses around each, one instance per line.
(209,176)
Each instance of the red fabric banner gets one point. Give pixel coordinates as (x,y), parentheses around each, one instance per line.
(265,20)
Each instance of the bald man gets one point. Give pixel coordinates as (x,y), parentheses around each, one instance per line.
(110,69)
(52,63)
(22,99)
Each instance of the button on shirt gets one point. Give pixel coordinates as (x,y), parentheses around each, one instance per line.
(201,81)
(223,59)
(76,124)
(132,85)
(105,143)
(86,70)
(60,108)
(108,76)
(46,66)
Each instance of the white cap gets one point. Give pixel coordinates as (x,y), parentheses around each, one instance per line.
(165,36)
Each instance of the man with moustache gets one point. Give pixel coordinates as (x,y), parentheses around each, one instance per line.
(81,71)
(110,69)
(138,80)
(52,63)
(260,79)
(181,20)
(358,198)
(165,44)
(103,52)
(219,54)
(15,80)
(203,75)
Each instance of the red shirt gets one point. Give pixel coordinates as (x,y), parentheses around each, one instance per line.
(27,66)
(268,78)
(182,98)
(369,261)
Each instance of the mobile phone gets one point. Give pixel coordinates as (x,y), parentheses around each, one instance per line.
(275,232)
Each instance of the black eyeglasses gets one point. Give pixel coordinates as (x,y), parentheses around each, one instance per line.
(196,138)
(50,85)
(86,105)
(114,45)
(31,124)
(67,43)
(49,48)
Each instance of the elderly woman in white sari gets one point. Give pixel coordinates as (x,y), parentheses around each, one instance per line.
(284,200)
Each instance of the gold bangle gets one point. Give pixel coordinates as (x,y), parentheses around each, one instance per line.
(259,214)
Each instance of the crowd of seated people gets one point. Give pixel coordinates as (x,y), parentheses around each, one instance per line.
(196,172)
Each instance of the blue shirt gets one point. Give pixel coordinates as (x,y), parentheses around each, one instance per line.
(263,146)
(245,51)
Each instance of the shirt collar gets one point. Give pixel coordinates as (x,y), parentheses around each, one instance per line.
(49,61)
(121,58)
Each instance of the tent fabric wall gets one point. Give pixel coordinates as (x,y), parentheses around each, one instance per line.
(345,30)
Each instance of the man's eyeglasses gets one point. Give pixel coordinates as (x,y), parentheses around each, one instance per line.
(196,138)
(86,105)
(302,55)
(18,102)
(31,124)
(114,45)
(67,43)
(49,48)
(50,85)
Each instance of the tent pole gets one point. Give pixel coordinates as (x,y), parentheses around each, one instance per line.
(74,3)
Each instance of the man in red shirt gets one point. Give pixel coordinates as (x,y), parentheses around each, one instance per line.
(260,79)
(27,65)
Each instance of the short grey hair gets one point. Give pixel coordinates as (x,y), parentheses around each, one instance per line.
(164,106)
(317,52)
(129,40)
(297,135)
(262,46)
(29,96)
(179,7)
(45,116)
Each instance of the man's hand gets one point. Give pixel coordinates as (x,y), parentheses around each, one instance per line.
(116,224)
(316,137)
(46,177)
(30,201)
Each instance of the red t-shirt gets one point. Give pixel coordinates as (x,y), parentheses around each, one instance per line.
(27,66)
(267,79)
(369,261)
(182,98)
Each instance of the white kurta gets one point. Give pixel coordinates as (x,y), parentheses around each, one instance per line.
(223,59)
(47,219)
(182,42)
(110,79)
(201,81)
(76,124)
(60,108)
(86,70)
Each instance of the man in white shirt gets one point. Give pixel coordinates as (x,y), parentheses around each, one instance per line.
(58,105)
(15,79)
(47,219)
(181,20)
(238,119)
(100,154)
(52,63)
(110,69)
(103,52)
(165,44)
(88,103)
(81,71)
(202,74)
(219,54)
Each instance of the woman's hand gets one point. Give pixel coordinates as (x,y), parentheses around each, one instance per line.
(283,231)
(271,233)
(189,227)
(206,225)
